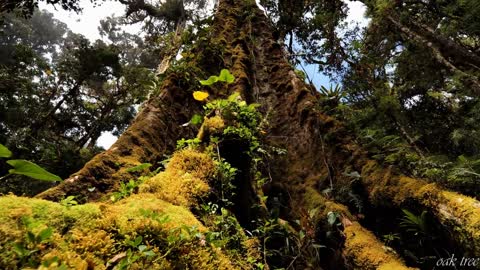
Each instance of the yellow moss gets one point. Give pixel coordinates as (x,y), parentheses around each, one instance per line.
(160,264)
(37,213)
(460,213)
(176,188)
(196,163)
(204,259)
(252,245)
(97,242)
(90,244)
(70,258)
(214,124)
(393,266)
(127,218)
(366,252)
(184,180)
(88,236)
(362,248)
(315,201)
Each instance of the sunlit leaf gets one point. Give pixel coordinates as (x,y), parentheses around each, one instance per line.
(200,95)
(226,76)
(210,81)
(234,96)
(139,168)
(332,218)
(4,152)
(30,169)
(44,234)
(196,119)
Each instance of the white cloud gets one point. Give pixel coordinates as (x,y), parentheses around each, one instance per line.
(88,21)
(356,13)
(106,140)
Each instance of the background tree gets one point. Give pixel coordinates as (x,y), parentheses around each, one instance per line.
(60,92)
(26,8)
(164,23)
(425,93)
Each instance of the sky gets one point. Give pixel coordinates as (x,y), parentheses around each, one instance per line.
(88,21)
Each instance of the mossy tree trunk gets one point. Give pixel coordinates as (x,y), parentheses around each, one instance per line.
(152,135)
(319,149)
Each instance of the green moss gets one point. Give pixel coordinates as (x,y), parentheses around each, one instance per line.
(364,251)
(89,235)
(461,214)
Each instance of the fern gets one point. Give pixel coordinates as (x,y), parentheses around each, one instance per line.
(412,223)
(356,200)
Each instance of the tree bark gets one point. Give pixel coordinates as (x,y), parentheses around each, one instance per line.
(152,135)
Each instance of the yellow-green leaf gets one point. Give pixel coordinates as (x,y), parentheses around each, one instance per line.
(139,168)
(4,152)
(196,119)
(200,95)
(226,76)
(30,169)
(210,81)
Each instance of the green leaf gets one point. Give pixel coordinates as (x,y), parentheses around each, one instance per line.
(226,76)
(44,235)
(149,253)
(20,250)
(332,218)
(4,152)
(139,168)
(210,81)
(301,234)
(234,96)
(196,119)
(30,169)
(138,240)
(31,237)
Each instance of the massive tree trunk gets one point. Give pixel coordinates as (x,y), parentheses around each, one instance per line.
(320,154)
